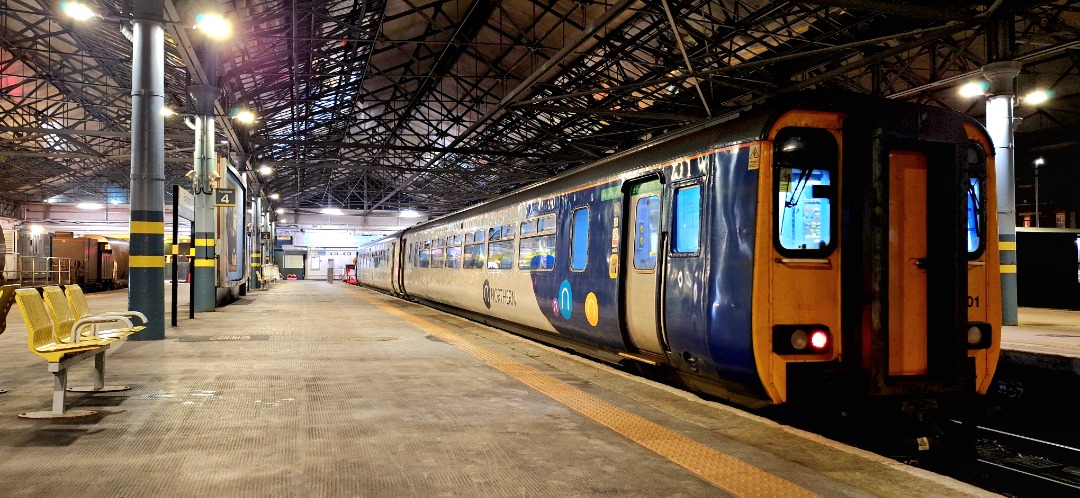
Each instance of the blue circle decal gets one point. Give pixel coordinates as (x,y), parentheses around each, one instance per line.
(566,299)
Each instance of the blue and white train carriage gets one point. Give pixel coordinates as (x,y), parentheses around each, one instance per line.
(831,248)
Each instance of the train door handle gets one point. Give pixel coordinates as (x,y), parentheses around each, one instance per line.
(920,263)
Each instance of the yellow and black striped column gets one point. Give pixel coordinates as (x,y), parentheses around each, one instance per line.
(204,274)
(146,273)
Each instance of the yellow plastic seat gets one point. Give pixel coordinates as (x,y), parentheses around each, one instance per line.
(81,308)
(67,328)
(40,331)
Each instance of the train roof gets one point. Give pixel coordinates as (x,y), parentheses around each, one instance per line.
(747,123)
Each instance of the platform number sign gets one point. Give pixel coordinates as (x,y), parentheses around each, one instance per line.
(224,197)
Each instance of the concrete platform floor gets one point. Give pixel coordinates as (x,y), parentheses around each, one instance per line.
(313,389)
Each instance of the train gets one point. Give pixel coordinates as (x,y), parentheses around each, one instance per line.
(831,251)
(95,262)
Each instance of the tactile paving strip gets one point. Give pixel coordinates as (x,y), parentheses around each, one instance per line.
(721,470)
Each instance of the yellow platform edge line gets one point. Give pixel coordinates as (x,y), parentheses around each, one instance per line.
(719,469)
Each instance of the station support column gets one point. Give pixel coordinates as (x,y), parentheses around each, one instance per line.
(146,273)
(204,274)
(1000,122)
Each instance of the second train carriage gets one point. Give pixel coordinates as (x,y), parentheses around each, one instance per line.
(830,249)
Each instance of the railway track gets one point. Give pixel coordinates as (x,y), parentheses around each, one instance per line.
(1020,466)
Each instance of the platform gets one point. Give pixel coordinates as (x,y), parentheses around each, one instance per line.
(1044,339)
(314,389)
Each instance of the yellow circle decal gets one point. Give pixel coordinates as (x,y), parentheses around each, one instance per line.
(592,309)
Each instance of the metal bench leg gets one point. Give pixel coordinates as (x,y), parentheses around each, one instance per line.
(99,379)
(59,391)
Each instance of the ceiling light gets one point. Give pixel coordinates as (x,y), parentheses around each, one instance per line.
(280,210)
(275,196)
(974,89)
(334,211)
(89,205)
(265,170)
(213,25)
(77,10)
(409,213)
(1036,97)
(282,220)
(167,111)
(37,229)
(246,117)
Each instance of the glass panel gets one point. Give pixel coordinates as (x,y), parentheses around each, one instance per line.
(453,256)
(501,255)
(546,224)
(528,227)
(437,255)
(804,219)
(579,240)
(974,216)
(805,160)
(687,222)
(647,232)
(474,256)
(537,253)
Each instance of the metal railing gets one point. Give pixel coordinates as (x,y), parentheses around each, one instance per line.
(36,271)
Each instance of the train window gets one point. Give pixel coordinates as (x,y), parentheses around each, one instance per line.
(804,194)
(528,227)
(437,254)
(546,224)
(501,255)
(647,232)
(425,254)
(686,224)
(579,240)
(475,256)
(453,252)
(976,216)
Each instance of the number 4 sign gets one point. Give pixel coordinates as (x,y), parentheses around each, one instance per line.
(224,197)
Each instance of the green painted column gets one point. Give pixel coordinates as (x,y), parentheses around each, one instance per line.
(146,274)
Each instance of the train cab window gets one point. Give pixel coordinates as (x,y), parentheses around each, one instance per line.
(647,232)
(453,252)
(537,248)
(579,240)
(805,160)
(976,214)
(686,222)
(501,248)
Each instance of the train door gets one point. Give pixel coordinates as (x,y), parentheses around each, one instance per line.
(395,268)
(640,286)
(927,264)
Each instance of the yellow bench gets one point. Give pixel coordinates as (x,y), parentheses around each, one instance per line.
(264,284)
(42,340)
(81,309)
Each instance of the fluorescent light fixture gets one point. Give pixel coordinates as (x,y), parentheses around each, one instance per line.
(265,170)
(334,211)
(77,10)
(282,211)
(246,117)
(213,25)
(1037,97)
(89,205)
(409,213)
(275,196)
(974,89)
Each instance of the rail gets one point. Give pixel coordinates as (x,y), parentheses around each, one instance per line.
(38,271)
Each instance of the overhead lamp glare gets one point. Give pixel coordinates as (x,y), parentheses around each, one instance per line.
(331,211)
(77,10)
(213,25)
(246,117)
(275,196)
(410,213)
(89,205)
(265,170)
(974,89)
(1037,97)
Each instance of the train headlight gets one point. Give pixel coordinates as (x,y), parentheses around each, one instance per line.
(801,339)
(979,335)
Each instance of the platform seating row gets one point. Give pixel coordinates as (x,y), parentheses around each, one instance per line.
(62,331)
